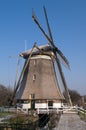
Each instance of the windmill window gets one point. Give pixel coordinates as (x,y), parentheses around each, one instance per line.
(32,96)
(34,77)
(34,62)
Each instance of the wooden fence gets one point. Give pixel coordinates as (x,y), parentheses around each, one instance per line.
(82,113)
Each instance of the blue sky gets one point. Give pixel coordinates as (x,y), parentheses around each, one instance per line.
(67,19)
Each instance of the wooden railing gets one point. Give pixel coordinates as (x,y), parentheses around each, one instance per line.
(49,110)
(82,113)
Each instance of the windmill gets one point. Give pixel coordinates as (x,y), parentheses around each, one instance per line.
(38,83)
(56,52)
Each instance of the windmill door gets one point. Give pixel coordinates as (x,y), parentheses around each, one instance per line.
(50,104)
(32,103)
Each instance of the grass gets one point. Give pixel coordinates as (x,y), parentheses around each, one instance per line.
(19,121)
(82,115)
(4,114)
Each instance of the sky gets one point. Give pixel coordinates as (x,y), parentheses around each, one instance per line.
(18,32)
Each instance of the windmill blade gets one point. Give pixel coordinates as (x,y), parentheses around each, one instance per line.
(39,25)
(36,21)
(63,80)
(49,30)
(50,40)
(18,65)
(62,62)
(21,75)
(17,86)
(50,34)
(63,59)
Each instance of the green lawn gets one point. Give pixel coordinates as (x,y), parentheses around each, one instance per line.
(82,115)
(3,114)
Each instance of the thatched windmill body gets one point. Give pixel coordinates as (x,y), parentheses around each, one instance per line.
(38,85)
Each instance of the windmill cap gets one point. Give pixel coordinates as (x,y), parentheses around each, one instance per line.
(36,50)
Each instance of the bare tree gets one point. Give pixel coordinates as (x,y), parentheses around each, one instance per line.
(75,97)
(5,95)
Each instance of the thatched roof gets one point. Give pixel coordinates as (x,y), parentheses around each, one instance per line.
(39,79)
(44,48)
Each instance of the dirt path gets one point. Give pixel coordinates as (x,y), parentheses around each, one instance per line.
(71,122)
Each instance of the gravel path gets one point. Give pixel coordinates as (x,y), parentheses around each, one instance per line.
(71,122)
